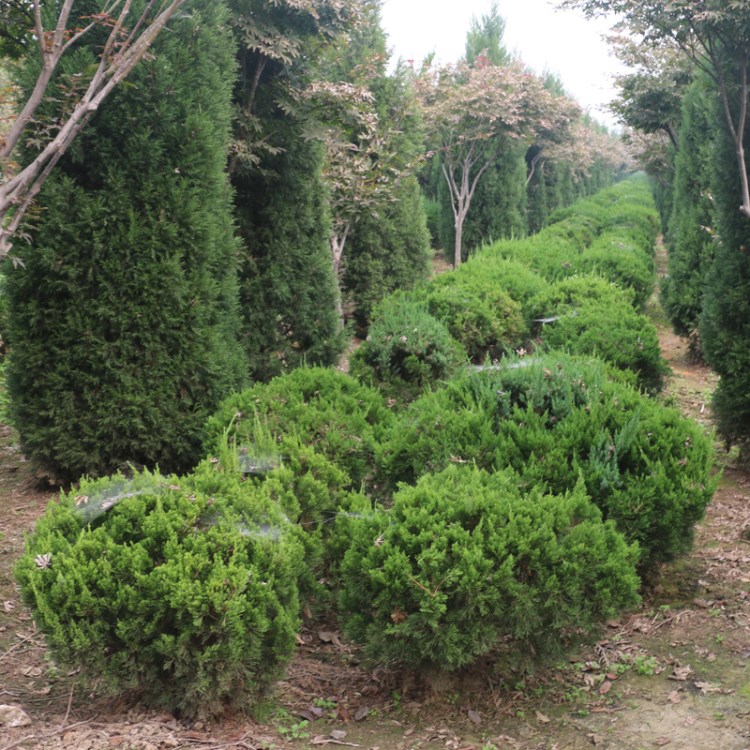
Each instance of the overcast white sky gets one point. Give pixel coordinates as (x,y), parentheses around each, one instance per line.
(544,38)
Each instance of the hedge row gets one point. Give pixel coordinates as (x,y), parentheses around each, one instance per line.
(505,511)
(579,285)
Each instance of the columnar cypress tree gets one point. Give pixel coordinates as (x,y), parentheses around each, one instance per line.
(387,251)
(691,241)
(287,287)
(124,314)
(288,291)
(725,321)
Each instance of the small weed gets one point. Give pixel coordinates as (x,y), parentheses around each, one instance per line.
(574,694)
(396,700)
(645,665)
(294,731)
(325,703)
(719,638)
(718,716)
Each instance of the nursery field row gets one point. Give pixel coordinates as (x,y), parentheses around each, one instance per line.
(492,480)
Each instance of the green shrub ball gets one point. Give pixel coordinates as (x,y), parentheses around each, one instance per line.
(464,561)
(190,600)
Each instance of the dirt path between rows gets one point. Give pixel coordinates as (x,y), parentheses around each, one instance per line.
(674,674)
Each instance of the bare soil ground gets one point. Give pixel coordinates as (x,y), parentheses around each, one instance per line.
(674,674)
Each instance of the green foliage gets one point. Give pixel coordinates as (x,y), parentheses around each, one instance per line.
(307,487)
(725,320)
(461,422)
(288,290)
(512,276)
(481,316)
(691,238)
(567,295)
(324,409)
(623,262)
(153,584)
(387,252)
(407,351)
(465,561)
(556,420)
(123,320)
(615,332)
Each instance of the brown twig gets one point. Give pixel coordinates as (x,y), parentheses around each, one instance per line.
(231,743)
(70,703)
(16,645)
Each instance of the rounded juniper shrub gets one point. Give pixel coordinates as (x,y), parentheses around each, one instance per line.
(407,351)
(462,422)
(568,294)
(484,319)
(617,333)
(645,465)
(491,268)
(464,561)
(153,585)
(323,408)
(312,492)
(556,420)
(621,261)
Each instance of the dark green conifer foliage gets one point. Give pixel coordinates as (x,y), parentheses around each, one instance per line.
(288,292)
(287,288)
(387,252)
(691,239)
(725,320)
(124,327)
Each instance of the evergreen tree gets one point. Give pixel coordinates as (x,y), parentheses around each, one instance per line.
(387,252)
(288,291)
(725,320)
(124,314)
(691,238)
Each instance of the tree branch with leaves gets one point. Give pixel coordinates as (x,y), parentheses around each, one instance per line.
(128,39)
(713,34)
(469,109)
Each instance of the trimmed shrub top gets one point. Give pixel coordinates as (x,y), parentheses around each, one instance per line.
(322,408)
(464,561)
(152,584)
(556,420)
(407,351)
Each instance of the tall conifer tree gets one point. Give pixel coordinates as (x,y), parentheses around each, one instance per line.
(124,314)
(691,238)
(288,291)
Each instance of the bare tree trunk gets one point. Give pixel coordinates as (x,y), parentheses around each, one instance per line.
(457,248)
(338,242)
